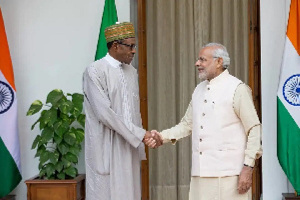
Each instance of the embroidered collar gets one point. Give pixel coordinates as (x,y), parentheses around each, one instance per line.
(220,77)
(113,62)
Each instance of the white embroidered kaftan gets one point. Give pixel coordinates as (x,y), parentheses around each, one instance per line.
(113,133)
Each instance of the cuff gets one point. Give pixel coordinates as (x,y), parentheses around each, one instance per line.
(167,138)
(249,162)
(139,136)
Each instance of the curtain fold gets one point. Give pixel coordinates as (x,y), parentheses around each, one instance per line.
(176,30)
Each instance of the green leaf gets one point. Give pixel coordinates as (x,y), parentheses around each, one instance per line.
(57,139)
(42,173)
(61,176)
(59,166)
(32,127)
(77,100)
(52,177)
(75,112)
(44,157)
(36,141)
(81,119)
(35,107)
(70,138)
(54,96)
(40,150)
(41,165)
(66,106)
(79,135)
(63,148)
(61,127)
(50,169)
(50,116)
(47,134)
(64,117)
(66,162)
(54,157)
(71,157)
(42,120)
(74,150)
(71,171)
(78,146)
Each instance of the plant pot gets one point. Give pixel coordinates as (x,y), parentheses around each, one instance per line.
(8,197)
(72,189)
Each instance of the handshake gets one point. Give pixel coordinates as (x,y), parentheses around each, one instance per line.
(153,139)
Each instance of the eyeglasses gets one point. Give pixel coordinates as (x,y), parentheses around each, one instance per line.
(131,46)
(203,60)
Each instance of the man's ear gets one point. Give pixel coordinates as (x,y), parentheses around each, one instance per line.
(220,62)
(114,46)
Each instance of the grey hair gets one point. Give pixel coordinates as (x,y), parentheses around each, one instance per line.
(220,51)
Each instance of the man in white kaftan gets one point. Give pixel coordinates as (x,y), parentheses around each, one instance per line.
(113,130)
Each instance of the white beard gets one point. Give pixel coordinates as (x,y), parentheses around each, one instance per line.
(202,76)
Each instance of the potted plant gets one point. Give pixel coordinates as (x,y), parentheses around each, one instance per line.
(58,145)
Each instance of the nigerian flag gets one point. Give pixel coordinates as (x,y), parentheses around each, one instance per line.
(288,101)
(109,18)
(10,169)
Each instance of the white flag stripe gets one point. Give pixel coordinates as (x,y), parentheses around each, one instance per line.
(291,66)
(9,130)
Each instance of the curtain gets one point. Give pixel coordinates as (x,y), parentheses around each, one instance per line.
(176,30)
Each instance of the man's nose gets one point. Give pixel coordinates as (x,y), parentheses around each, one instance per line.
(197,63)
(133,50)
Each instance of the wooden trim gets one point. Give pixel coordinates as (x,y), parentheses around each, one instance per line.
(254,53)
(254,80)
(142,60)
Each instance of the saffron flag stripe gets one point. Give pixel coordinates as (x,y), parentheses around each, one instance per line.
(5,60)
(293,32)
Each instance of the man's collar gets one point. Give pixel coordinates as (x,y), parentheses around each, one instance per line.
(219,77)
(113,62)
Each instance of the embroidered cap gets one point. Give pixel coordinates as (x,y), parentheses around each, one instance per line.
(119,31)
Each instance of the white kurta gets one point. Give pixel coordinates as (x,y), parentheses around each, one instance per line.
(113,133)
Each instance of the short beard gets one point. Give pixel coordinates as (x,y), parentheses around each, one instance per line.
(202,76)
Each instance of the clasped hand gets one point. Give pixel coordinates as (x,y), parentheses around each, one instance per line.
(153,139)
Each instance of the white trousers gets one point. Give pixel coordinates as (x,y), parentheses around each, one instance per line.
(216,188)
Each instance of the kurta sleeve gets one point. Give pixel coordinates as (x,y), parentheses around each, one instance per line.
(245,110)
(181,130)
(101,106)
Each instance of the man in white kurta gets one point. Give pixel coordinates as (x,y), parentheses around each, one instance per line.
(226,132)
(113,130)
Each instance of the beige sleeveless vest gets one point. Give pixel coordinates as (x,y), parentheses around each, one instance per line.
(219,139)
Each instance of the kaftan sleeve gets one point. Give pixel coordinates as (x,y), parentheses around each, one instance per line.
(245,110)
(101,106)
(181,130)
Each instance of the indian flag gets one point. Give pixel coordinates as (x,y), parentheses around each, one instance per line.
(288,101)
(10,168)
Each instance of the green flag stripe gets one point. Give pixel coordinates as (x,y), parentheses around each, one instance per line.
(9,173)
(288,145)
(109,18)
